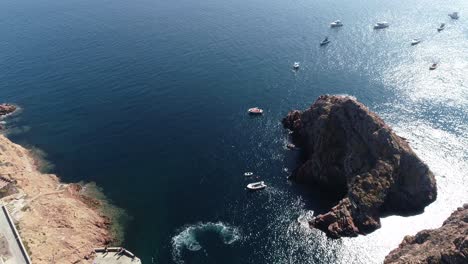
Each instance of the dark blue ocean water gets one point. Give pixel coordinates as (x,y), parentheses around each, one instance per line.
(148,99)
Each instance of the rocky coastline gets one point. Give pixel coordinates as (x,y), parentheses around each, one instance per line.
(447,244)
(352,152)
(58,222)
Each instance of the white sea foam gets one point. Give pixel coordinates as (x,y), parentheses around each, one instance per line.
(188,238)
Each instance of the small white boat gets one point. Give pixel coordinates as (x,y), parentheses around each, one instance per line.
(256,186)
(415,42)
(433,66)
(255,111)
(380,25)
(336,23)
(441,27)
(324,42)
(296,65)
(454,15)
(248,174)
(291,146)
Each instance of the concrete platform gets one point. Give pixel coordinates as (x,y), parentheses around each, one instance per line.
(115,255)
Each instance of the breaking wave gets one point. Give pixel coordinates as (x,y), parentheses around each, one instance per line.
(189,237)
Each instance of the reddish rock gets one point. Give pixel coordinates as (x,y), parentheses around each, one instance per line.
(350,150)
(447,244)
(6,109)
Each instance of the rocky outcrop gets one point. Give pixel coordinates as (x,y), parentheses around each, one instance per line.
(6,109)
(447,244)
(351,151)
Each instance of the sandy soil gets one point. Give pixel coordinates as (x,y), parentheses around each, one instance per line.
(56,222)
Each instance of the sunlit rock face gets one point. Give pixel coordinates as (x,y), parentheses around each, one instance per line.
(447,244)
(350,150)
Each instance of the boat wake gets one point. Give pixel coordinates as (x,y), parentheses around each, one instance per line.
(189,237)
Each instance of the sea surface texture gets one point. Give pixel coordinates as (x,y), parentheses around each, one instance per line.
(148,99)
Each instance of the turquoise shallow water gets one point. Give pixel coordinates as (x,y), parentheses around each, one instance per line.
(148,99)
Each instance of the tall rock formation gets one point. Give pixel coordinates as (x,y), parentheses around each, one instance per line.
(351,151)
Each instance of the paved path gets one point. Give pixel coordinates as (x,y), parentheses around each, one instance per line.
(15,255)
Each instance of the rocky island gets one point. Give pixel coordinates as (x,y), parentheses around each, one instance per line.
(352,152)
(447,244)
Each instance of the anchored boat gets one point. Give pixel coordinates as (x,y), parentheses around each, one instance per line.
(380,25)
(441,27)
(336,23)
(324,42)
(291,146)
(454,15)
(415,42)
(256,186)
(255,111)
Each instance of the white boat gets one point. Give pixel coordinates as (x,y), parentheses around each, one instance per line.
(336,23)
(415,42)
(324,42)
(441,27)
(291,146)
(380,25)
(248,174)
(255,111)
(256,185)
(296,65)
(454,15)
(433,66)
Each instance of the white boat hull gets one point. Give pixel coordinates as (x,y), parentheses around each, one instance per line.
(256,186)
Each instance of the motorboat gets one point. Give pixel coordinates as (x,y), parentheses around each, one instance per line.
(415,42)
(433,66)
(336,23)
(380,25)
(255,111)
(296,65)
(248,174)
(256,186)
(291,146)
(441,27)
(324,42)
(454,15)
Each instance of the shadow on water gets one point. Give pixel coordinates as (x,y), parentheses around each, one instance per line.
(317,198)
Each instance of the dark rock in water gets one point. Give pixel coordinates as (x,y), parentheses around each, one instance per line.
(351,151)
(6,109)
(447,244)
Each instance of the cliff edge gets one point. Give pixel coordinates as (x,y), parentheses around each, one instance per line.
(447,244)
(351,151)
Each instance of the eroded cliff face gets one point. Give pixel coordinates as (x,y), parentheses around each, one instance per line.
(447,244)
(351,150)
